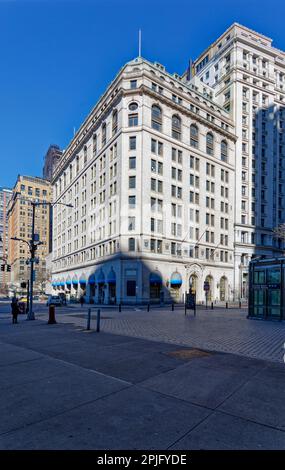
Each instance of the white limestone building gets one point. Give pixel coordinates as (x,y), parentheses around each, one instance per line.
(151,176)
(247,75)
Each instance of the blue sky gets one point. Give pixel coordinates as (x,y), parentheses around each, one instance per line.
(57,57)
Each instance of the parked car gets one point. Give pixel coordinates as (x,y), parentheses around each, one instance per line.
(54,300)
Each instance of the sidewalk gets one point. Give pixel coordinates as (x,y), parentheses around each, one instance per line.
(65,388)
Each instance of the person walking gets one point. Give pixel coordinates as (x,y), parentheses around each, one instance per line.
(15,309)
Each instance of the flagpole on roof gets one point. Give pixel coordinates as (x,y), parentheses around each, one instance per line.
(140,43)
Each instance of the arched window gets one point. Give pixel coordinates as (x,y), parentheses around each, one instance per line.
(194,133)
(85,154)
(176,127)
(132,244)
(94,144)
(156,118)
(224,151)
(104,134)
(209,143)
(115,122)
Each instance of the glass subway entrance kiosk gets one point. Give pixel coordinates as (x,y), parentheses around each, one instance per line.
(266,289)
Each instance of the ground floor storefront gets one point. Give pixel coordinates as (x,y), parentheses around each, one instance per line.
(143,281)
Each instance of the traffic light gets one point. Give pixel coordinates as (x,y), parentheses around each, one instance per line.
(2,267)
(8,268)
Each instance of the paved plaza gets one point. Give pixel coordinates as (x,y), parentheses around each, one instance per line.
(221,329)
(63,387)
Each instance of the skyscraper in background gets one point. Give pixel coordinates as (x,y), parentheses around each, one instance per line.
(5,196)
(51,160)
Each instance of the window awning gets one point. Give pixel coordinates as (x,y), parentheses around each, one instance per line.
(176,279)
(155,278)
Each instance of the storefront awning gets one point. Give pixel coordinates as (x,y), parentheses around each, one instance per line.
(91,279)
(111,279)
(176,279)
(155,278)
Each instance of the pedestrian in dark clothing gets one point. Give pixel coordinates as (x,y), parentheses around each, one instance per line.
(15,309)
(82,300)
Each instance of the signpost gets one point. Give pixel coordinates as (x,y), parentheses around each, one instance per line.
(206,289)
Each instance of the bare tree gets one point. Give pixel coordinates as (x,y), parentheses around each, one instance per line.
(279,232)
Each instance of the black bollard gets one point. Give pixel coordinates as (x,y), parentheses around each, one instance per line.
(227,305)
(88,318)
(148,306)
(120,307)
(172,307)
(98,320)
(212,306)
(51,315)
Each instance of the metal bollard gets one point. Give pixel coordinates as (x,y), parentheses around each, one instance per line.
(212,306)
(185,309)
(239,304)
(148,307)
(98,320)
(120,307)
(172,307)
(227,305)
(89,319)
(51,315)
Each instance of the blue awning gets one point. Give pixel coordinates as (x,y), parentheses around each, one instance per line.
(75,281)
(62,284)
(91,279)
(155,278)
(82,281)
(100,278)
(53,284)
(176,279)
(68,283)
(111,279)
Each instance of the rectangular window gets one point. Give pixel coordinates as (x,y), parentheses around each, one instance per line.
(132,182)
(132,163)
(131,223)
(132,202)
(133,120)
(132,143)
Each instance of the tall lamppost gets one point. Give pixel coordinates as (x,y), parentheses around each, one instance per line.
(33,245)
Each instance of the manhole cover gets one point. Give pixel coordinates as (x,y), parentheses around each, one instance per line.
(188,354)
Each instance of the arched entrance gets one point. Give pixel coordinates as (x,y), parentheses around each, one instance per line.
(223,288)
(100,279)
(155,285)
(210,292)
(111,281)
(91,283)
(68,288)
(75,287)
(193,283)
